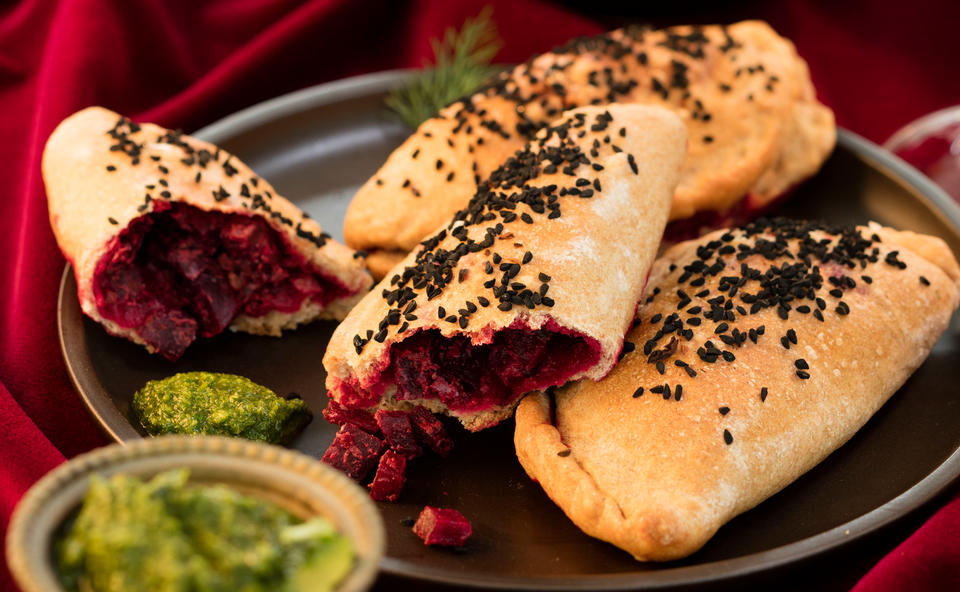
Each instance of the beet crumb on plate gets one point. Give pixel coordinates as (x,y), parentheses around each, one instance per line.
(442,526)
(338,414)
(430,431)
(353,451)
(390,478)
(356,447)
(398,432)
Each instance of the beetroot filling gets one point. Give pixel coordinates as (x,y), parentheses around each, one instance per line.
(181,272)
(469,378)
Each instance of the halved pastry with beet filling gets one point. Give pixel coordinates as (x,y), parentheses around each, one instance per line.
(172,238)
(759,351)
(533,284)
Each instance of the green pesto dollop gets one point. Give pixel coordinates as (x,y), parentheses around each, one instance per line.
(218,404)
(164,535)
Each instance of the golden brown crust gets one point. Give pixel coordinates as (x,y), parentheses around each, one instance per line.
(665,465)
(90,205)
(596,253)
(754,124)
(380,262)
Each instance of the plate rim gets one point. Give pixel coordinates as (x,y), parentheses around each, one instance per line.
(882,516)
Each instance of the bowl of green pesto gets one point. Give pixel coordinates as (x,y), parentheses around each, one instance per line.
(197,514)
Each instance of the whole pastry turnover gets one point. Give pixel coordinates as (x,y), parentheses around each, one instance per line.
(758,352)
(533,284)
(171,238)
(755,127)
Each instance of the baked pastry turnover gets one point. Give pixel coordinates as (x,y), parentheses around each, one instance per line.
(758,352)
(745,96)
(172,238)
(534,283)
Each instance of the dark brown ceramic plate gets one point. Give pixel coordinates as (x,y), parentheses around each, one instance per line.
(317,146)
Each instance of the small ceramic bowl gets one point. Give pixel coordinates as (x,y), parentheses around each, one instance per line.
(291,480)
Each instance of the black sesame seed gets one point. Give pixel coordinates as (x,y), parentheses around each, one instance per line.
(763,394)
(801,364)
(924,281)
(637,393)
(727,437)
(111,168)
(724,410)
(564,453)
(803,375)
(112,220)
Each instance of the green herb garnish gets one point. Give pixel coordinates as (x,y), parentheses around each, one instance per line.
(218,404)
(462,65)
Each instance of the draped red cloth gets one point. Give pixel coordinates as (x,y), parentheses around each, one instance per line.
(187,63)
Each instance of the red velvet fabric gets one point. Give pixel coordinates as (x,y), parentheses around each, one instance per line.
(186,63)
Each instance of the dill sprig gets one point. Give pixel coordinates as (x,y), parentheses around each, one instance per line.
(462,64)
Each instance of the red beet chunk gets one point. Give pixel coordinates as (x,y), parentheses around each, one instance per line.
(338,414)
(388,482)
(430,431)
(396,428)
(442,526)
(353,451)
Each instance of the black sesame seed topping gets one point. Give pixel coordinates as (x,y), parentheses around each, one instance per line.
(727,437)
